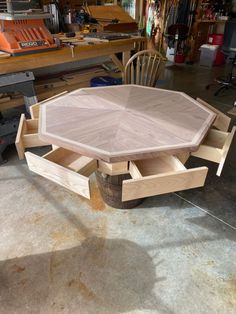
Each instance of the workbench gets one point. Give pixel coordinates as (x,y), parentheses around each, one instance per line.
(76,53)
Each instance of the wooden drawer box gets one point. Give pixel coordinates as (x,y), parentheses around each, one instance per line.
(64,167)
(27,136)
(215,147)
(159,176)
(34,109)
(222,121)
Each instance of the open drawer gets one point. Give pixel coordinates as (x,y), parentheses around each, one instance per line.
(215,147)
(161,175)
(34,109)
(64,167)
(222,121)
(27,136)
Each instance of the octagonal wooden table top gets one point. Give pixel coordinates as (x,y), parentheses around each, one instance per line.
(125,122)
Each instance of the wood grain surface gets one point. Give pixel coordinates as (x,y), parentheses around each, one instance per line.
(114,12)
(64,55)
(126,122)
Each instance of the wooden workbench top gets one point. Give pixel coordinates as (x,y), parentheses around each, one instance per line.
(65,55)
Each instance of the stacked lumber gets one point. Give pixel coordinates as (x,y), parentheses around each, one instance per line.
(4,98)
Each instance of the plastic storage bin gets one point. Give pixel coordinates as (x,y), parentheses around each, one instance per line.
(103,81)
(208,55)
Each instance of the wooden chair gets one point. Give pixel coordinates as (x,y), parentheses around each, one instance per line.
(144,68)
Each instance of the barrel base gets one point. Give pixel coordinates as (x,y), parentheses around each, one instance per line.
(110,188)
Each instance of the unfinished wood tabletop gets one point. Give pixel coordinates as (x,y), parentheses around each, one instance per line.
(125,122)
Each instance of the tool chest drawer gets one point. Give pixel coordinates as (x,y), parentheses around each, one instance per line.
(215,147)
(65,168)
(161,175)
(27,136)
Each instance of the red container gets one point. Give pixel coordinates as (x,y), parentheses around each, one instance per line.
(220,58)
(216,39)
(179,58)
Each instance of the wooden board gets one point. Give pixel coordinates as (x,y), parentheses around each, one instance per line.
(225,150)
(222,121)
(163,183)
(215,147)
(64,55)
(107,14)
(159,176)
(113,169)
(62,167)
(125,122)
(27,136)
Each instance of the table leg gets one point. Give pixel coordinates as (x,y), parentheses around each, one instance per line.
(125,57)
(110,188)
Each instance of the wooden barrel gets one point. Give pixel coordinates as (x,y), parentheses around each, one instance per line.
(110,188)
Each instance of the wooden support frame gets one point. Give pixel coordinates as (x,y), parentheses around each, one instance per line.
(113,168)
(125,57)
(134,171)
(215,147)
(183,157)
(65,168)
(117,62)
(222,121)
(27,136)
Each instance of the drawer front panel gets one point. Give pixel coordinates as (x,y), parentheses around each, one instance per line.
(222,121)
(215,147)
(63,176)
(27,136)
(163,183)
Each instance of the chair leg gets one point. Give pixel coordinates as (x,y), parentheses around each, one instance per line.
(220,89)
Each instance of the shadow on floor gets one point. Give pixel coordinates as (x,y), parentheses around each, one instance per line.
(100,275)
(217,197)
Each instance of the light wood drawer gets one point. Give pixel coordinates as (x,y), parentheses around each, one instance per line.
(34,109)
(64,167)
(159,176)
(215,147)
(222,121)
(27,136)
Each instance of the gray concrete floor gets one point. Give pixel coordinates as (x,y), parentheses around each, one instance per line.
(62,254)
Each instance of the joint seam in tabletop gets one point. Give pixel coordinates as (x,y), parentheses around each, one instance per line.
(156,146)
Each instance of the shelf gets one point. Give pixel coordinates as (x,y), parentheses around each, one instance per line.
(208,21)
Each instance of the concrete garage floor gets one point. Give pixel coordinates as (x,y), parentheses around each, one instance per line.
(60,253)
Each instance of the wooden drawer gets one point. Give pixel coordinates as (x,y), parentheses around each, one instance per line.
(222,121)
(64,167)
(159,176)
(215,147)
(27,136)
(34,109)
